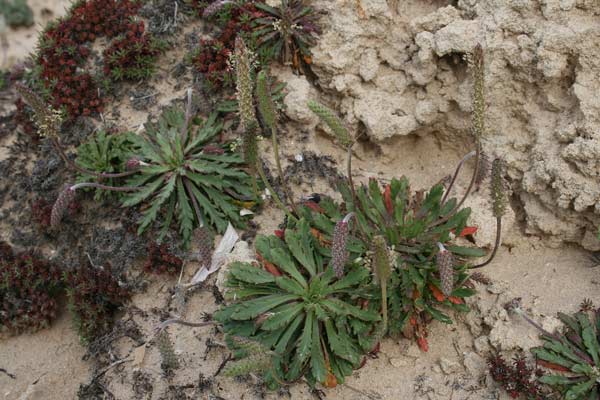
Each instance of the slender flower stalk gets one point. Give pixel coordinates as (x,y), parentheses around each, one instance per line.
(456,172)
(476,61)
(269,113)
(382,269)
(67,195)
(339,250)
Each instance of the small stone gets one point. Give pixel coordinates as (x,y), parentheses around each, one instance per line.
(449,366)
(481,344)
(369,65)
(497,287)
(399,362)
(475,364)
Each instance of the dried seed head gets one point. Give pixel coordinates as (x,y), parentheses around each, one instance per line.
(333,122)
(61,205)
(381,259)
(339,251)
(476,62)
(265,101)
(445,264)
(498,188)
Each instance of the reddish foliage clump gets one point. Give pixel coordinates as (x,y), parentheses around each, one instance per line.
(213,55)
(131,56)
(94,294)
(517,379)
(63,52)
(40,212)
(161,261)
(28,291)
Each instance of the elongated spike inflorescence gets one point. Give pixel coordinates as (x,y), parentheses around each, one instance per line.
(265,101)
(339,250)
(498,188)
(476,62)
(47,119)
(445,264)
(333,122)
(61,205)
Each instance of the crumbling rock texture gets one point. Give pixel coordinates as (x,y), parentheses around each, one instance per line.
(403,72)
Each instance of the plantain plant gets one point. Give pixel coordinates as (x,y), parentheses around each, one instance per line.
(420,284)
(573,355)
(315,324)
(104,152)
(286,32)
(178,170)
(186,174)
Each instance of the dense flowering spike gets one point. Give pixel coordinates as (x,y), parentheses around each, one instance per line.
(244,83)
(333,122)
(132,164)
(250,144)
(253,363)
(339,251)
(61,205)
(381,259)
(33,99)
(477,64)
(265,101)
(445,263)
(205,245)
(498,188)
(483,169)
(167,353)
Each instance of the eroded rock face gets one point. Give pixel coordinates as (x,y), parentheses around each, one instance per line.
(403,72)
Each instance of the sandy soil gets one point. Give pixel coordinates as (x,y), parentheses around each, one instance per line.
(51,364)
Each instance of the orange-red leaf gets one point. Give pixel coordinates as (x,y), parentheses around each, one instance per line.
(387,197)
(437,293)
(423,345)
(456,300)
(269,267)
(467,230)
(550,365)
(314,206)
(280,233)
